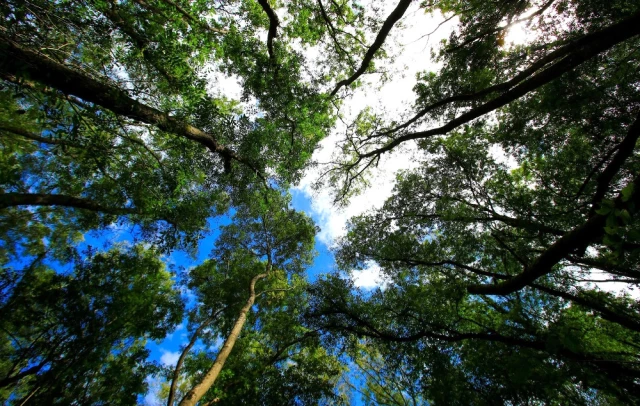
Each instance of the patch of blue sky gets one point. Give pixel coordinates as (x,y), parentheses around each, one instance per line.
(167,351)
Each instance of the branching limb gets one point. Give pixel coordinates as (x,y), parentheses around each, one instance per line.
(22,61)
(590,231)
(576,53)
(393,18)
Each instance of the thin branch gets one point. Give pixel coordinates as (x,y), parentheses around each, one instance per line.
(183,355)
(35,137)
(41,199)
(393,18)
(194,20)
(606,313)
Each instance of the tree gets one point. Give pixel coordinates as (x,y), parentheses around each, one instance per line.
(80,335)
(258,263)
(494,269)
(108,118)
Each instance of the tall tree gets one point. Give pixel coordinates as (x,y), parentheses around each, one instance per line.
(257,264)
(80,335)
(522,208)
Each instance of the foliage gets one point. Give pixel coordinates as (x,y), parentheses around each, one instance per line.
(81,335)
(118,115)
(522,208)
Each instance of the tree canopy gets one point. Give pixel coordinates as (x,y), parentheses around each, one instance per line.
(136,122)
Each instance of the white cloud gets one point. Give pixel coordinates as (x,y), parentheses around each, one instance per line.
(408,47)
(369,277)
(178,328)
(394,98)
(169,358)
(151,398)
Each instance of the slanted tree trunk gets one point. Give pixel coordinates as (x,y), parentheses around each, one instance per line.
(176,371)
(197,392)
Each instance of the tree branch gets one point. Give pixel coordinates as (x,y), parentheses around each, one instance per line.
(22,61)
(183,355)
(194,20)
(582,50)
(393,18)
(503,28)
(41,199)
(625,150)
(274,22)
(605,313)
(591,230)
(35,137)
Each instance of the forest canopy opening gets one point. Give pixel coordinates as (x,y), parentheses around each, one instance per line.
(492,220)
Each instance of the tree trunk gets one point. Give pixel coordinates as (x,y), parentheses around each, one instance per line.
(197,392)
(176,371)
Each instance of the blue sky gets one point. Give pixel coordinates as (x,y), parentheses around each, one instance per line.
(167,351)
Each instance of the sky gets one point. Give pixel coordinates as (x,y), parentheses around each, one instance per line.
(410,46)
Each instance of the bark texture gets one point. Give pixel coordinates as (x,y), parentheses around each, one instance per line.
(194,395)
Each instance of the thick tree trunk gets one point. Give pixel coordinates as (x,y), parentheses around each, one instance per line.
(197,392)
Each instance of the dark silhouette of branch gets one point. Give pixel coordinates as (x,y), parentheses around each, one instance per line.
(625,150)
(194,20)
(606,313)
(581,50)
(10,380)
(362,327)
(332,32)
(393,18)
(35,137)
(274,22)
(41,199)
(588,232)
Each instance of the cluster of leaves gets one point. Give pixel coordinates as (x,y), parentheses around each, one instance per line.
(497,247)
(81,334)
(109,120)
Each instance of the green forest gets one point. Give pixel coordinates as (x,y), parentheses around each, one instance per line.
(508,245)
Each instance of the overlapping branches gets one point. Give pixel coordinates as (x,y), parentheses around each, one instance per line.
(583,235)
(538,74)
